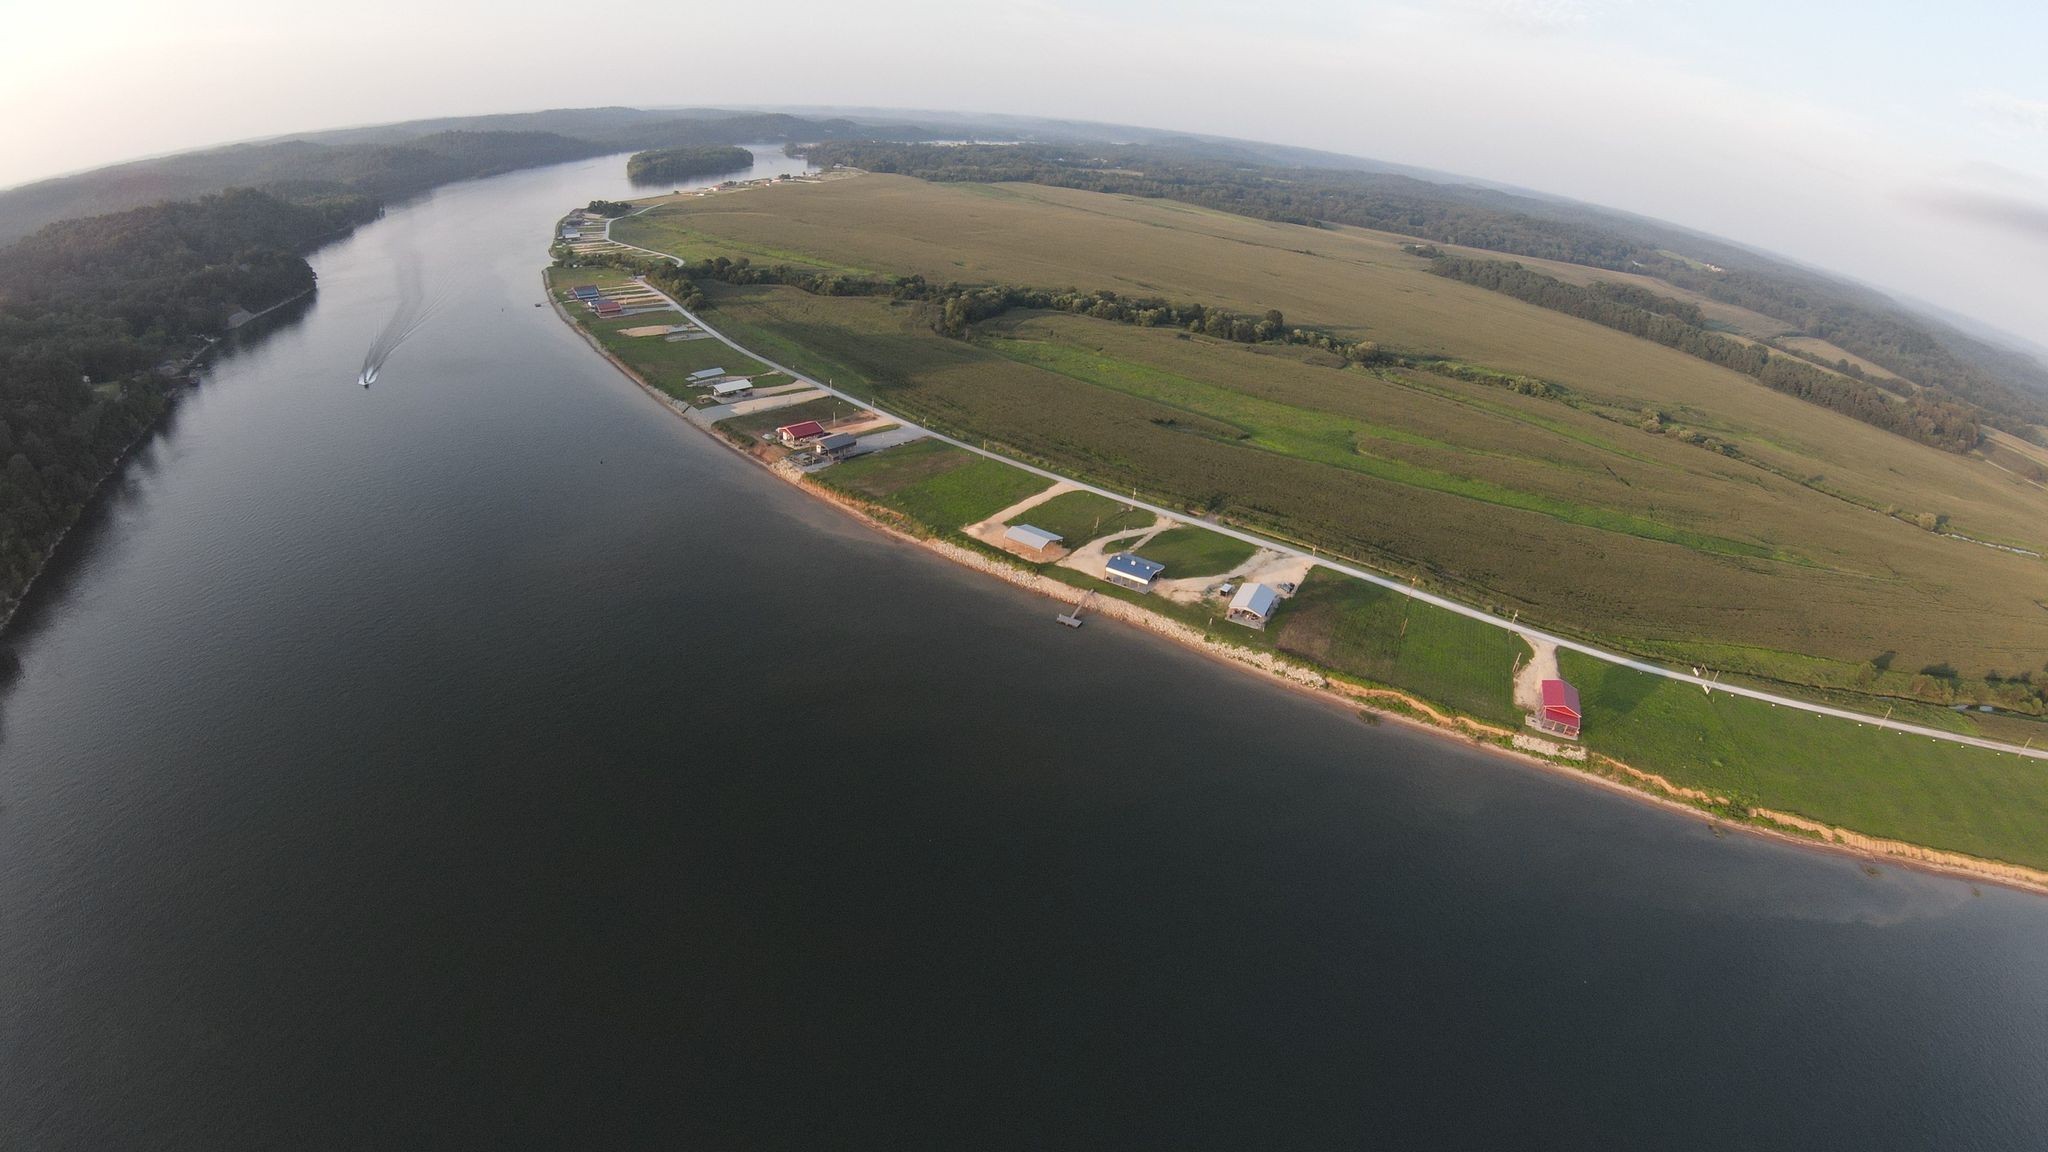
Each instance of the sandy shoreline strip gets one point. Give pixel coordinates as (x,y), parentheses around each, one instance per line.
(1396,705)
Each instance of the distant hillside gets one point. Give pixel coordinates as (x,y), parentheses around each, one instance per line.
(396,160)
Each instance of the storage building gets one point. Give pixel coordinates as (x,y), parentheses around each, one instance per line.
(1036,539)
(585,291)
(1560,709)
(1253,604)
(608,308)
(732,389)
(1132,571)
(836,445)
(801,433)
(705,374)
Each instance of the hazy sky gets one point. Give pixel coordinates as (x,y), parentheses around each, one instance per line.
(1905,144)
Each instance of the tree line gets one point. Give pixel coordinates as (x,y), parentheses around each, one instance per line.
(1946,424)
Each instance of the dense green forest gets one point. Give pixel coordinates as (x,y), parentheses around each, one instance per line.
(1946,424)
(89,311)
(2009,388)
(662,165)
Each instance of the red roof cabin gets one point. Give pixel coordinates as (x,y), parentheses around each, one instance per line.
(1560,709)
(800,433)
(608,308)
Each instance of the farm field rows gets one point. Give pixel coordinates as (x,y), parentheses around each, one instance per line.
(1581,522)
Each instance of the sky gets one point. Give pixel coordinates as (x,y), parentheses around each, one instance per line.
(1905,145)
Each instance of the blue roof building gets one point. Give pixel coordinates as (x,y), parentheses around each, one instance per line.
(1132,571)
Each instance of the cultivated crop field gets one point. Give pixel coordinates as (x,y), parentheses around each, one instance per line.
(1579,521)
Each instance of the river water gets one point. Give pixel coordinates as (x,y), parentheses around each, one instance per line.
(487,759)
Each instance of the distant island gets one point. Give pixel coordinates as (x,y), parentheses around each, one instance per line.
(664,164)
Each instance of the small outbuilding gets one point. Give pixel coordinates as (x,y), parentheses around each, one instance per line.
(608,308)
(732,389)
(585,291)
(1036,539)
(1132,571)
(704,374)
(1254,604)
(836,445)
(800,433)
(1560,713)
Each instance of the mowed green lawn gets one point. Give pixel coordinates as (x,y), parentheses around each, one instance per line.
(761,423)
(939,486)
(1190,551)
(1373,634)
(1080,517)
(1857,776)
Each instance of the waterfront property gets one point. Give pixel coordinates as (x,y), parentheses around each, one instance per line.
(608,308)
(1253,605)
(732,389)
(1035,539)
(800,433)
(706,375)
(835,445)
(585,292)
(1131,571)
(1560,715)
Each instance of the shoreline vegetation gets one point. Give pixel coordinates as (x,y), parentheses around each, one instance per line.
(1372,701)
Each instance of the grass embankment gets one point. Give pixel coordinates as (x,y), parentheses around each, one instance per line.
(1856,776)
(1369,633)
(938,486)
(1189,551)
(1570,512)
(1081,517)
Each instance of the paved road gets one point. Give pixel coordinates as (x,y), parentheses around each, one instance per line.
(1535,636)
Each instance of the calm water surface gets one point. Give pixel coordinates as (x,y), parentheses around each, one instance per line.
(488,760)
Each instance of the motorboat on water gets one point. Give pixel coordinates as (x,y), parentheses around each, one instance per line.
(369,377)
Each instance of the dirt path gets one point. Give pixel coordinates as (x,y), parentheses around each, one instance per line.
(1530,677)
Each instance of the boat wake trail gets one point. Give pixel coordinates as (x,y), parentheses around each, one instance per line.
(411,312)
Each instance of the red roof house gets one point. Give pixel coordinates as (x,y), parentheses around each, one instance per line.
(793,434)
(608,308)
(1560,708)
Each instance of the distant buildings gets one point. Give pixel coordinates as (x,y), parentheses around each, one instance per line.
(732,389)
(1036,539)
(585,292)
(1132,571)
(608,308)
(706,374)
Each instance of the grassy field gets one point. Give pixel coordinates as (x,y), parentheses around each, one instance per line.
(934,483)
(1369,633)
(1882,783)
(762,423)
(1191,551)
(1079,517)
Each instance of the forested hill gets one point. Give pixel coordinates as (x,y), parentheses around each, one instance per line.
(2010,388)
(89,308)
(398,160)
(295,168)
